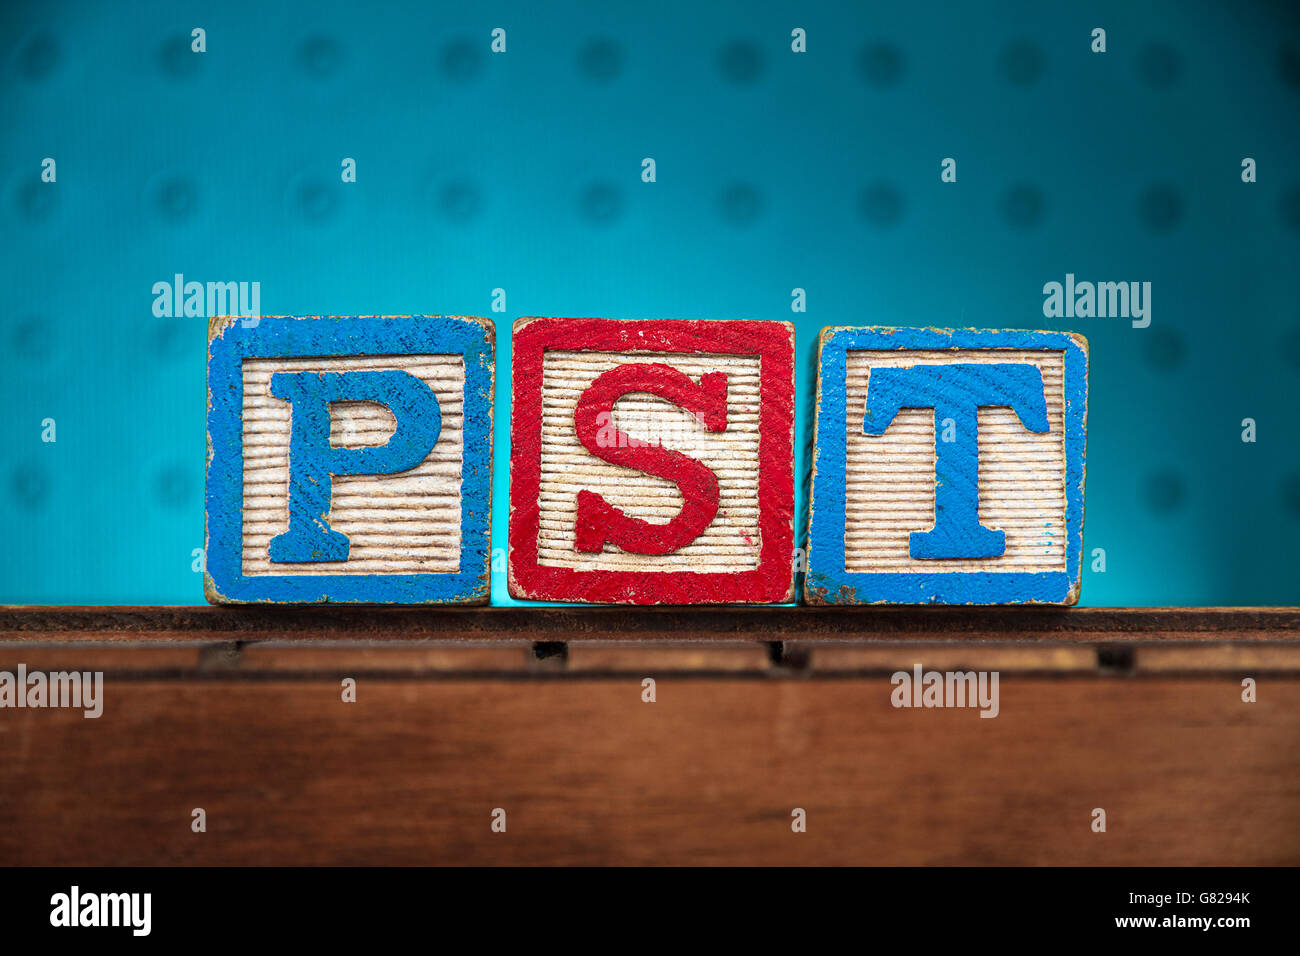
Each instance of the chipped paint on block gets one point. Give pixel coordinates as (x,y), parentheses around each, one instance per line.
(349,460)
(959,478)
(652,461)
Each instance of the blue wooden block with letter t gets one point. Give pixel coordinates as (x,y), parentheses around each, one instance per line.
(947,467)
(349,459)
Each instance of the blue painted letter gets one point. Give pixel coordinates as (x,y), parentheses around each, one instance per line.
(313,461)
(956,392)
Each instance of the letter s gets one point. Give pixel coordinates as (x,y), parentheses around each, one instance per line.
(597,520)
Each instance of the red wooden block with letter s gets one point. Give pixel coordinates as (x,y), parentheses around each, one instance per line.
(652,462)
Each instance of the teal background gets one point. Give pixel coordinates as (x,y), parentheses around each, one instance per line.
(775,170)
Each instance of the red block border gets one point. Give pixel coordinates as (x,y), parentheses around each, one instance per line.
(773,580)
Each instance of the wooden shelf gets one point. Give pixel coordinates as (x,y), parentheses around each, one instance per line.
(564,625)
(733,642)
(758,710)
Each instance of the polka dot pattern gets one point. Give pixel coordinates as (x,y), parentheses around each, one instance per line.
(776,169)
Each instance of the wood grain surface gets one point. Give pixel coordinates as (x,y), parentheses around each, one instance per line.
(709,773)
(404,523)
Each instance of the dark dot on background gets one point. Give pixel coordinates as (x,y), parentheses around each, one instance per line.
(29,486)
(1159,65)
(1023,63)
(32,338)
(1291,493)
(1288,66)
(39,57)
(741,62)
(36,200)
(1291,347)
(320,55)
(316,202)
(1164,348)
(600,204)
(881,64)
(881,205)
(462,61)
(1291,208)
(741,204)
(459,200)
(176,199)
(169,338)
(172,486)
(1160,208)
(1023,206)
(1163,492)
(600,59)
(176,56)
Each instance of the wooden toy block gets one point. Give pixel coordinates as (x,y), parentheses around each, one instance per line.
(349,459)
(947,467)
(652,462)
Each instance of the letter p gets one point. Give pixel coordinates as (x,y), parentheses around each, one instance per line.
(313,461)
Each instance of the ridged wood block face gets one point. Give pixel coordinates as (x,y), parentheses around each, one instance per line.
(407,522)
(349,459)
(652,462)
(947,467)
(890,489)
(731,542)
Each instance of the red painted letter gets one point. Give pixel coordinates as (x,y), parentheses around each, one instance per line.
(597,520)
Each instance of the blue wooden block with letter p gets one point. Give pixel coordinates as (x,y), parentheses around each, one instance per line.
(349,459)
(947,467)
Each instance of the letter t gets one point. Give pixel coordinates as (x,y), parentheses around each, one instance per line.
(957,392)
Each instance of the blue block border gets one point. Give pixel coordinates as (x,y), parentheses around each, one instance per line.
(826,580)
(281,336)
